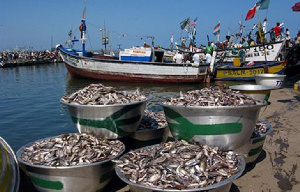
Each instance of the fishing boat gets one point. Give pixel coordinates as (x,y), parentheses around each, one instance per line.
(240,69)
(133,70)
(9,168)
(137,64)
(235,72)
(271,51)
(243,61)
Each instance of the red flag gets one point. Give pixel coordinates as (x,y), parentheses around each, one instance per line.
(251,13)
(296,7)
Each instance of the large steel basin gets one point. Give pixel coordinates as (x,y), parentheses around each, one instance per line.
(9,168)
(252,149)
(228,127)
(273,80)
(88,178)
(260,92)
(107,121)
(223,186)
(142,138)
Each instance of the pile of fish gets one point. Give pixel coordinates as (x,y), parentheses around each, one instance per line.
(71,149)
(212,97)
(152,120)
(98,94)
(261,128)
(178,165)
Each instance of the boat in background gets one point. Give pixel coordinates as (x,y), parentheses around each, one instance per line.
(238,72)
(131,68)
(272,51)
(9,168)
(137,64)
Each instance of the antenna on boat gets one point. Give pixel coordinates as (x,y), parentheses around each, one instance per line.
(105,38)
(171,45)
(82,28)
(241,28)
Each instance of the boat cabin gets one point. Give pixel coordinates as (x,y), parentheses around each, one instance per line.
(142,54)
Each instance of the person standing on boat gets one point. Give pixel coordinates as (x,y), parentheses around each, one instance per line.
(196,58)
(82,28)
(258,37)
(272,35)
(178,57)
(288,43)
(207,58)
(209,48)
(277,31)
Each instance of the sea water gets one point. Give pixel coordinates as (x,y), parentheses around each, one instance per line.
(30,107)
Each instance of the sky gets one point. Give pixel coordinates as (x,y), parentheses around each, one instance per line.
(41,24)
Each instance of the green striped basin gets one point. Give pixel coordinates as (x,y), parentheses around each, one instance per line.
(88,178)
(228,127)
(107,121)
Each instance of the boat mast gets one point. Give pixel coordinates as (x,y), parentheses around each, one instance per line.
(105,38)
(82,28)
(171,45)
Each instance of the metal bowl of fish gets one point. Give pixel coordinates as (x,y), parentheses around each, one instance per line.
(213,116)
(9,168)
(273,80)
(153,129)
(105,112)
(179,166)
(252,149)
(70,162)
(260,92)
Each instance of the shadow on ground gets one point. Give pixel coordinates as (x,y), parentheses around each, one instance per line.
(249,167)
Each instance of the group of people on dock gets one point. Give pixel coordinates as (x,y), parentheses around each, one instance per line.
(25,55)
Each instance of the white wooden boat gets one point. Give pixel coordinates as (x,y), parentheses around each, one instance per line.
(131,71)
(134,65)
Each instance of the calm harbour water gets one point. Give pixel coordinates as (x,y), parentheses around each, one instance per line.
(30,100)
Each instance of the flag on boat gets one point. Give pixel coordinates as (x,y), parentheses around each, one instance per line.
(194,22)
(250,63)
(262,4)
(251,13)
(217,29)
(185,23)
(296,7)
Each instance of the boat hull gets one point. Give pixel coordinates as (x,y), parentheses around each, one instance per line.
(255,53)
(248,72)
(130,71)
